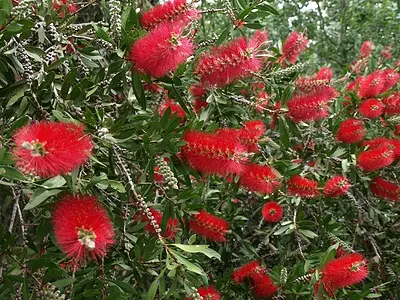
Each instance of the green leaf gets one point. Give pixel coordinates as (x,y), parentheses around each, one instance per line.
(126,287)
(187,264)
(39,196)
(55,182)
(167,213)
(284,136)
(223,36)
(11,173)
(308,233)
(180,99)
(138,89)
(68,81)
(199,249)
(268,8)
(63,283)
(152,290)
(13,89)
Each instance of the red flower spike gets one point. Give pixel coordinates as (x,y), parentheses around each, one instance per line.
(393,144)
(263,286)
(199,104)
(262,179)
(247,270)
(376,159)
(390,78)
(251,133)
(161,50)
(325,73)
(302,187)
(345,271)
(48,149)
(272,212)
(197,90)
(208,293)
(82,227)
(366,49)
(385,189)
(213,153)
(336,186)
(397,130)
(170,230)
(228,63)
(209,226)
(371,108)
(392,104)
(295,44)
(351,131)
(175,109)
(372,85)
(170,11)
(386,53)
(308,108)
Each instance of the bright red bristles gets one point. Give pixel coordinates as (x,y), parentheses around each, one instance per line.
(48,149)
(161,50)
(168,12)
(214,154)
(197,90)
(366,49)
(272,212)
(351,131)
(392,104)
(325,73)
(262,179)
(82,227)
(393,144)
(228,63)
(263,286)
(302,187)
(175,109)
(372,85)
(385,189)
(245,271)
(377,158)
(304,108)
(390,78)
(208,293)
(345,271)
(295,44)
(199,104)
(251,133)
(371,108)
(170,230)
(209,226)
(336,186)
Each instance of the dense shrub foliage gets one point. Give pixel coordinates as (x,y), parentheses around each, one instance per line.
(143,158)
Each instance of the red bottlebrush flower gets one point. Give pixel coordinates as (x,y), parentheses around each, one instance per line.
(175,109)
(241,273)
(262,179)
(209,226)
(392,104)
(317,84)
(366,49)
(386,53)
(295,44)
(263,286)
(376,159)
(48,149)
(82,227)
(371,108)
(325,73)
(214,154)
(272,212)
(304,108)
(73,8)
(336,186)
(345,271)
(228,63)
(161,50)
(397,130)
(385,189)
(197,90)
(170,11)
(372,85)
(390,78)
(208,293)
(302,187)
(251,133)
(351,131)
(170,230)
(354,85)
(199,104)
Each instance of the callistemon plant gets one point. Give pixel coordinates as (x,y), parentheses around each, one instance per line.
(202,150)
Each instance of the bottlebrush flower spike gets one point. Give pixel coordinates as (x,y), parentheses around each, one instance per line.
(295,44)
(272,212)
(261,179)
(197,91)
(317,84)
(366,49)
(209,226)
(175,109)
(161,50)
(245,271)
(371,108)
(336,186)
(372,85)
(251,133)
(214,154)
(302,187)
(345,271)
(263,286)
(170,230)
(392,104)
(208,293)
(393,144)
(305,108)
(199,104)
(325,73)
(376,159)
(386,53)
(385,189)
(82,227)
(354,85)
(390,78)
(48,149)
(168,12)
(351,131)
(228,63)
